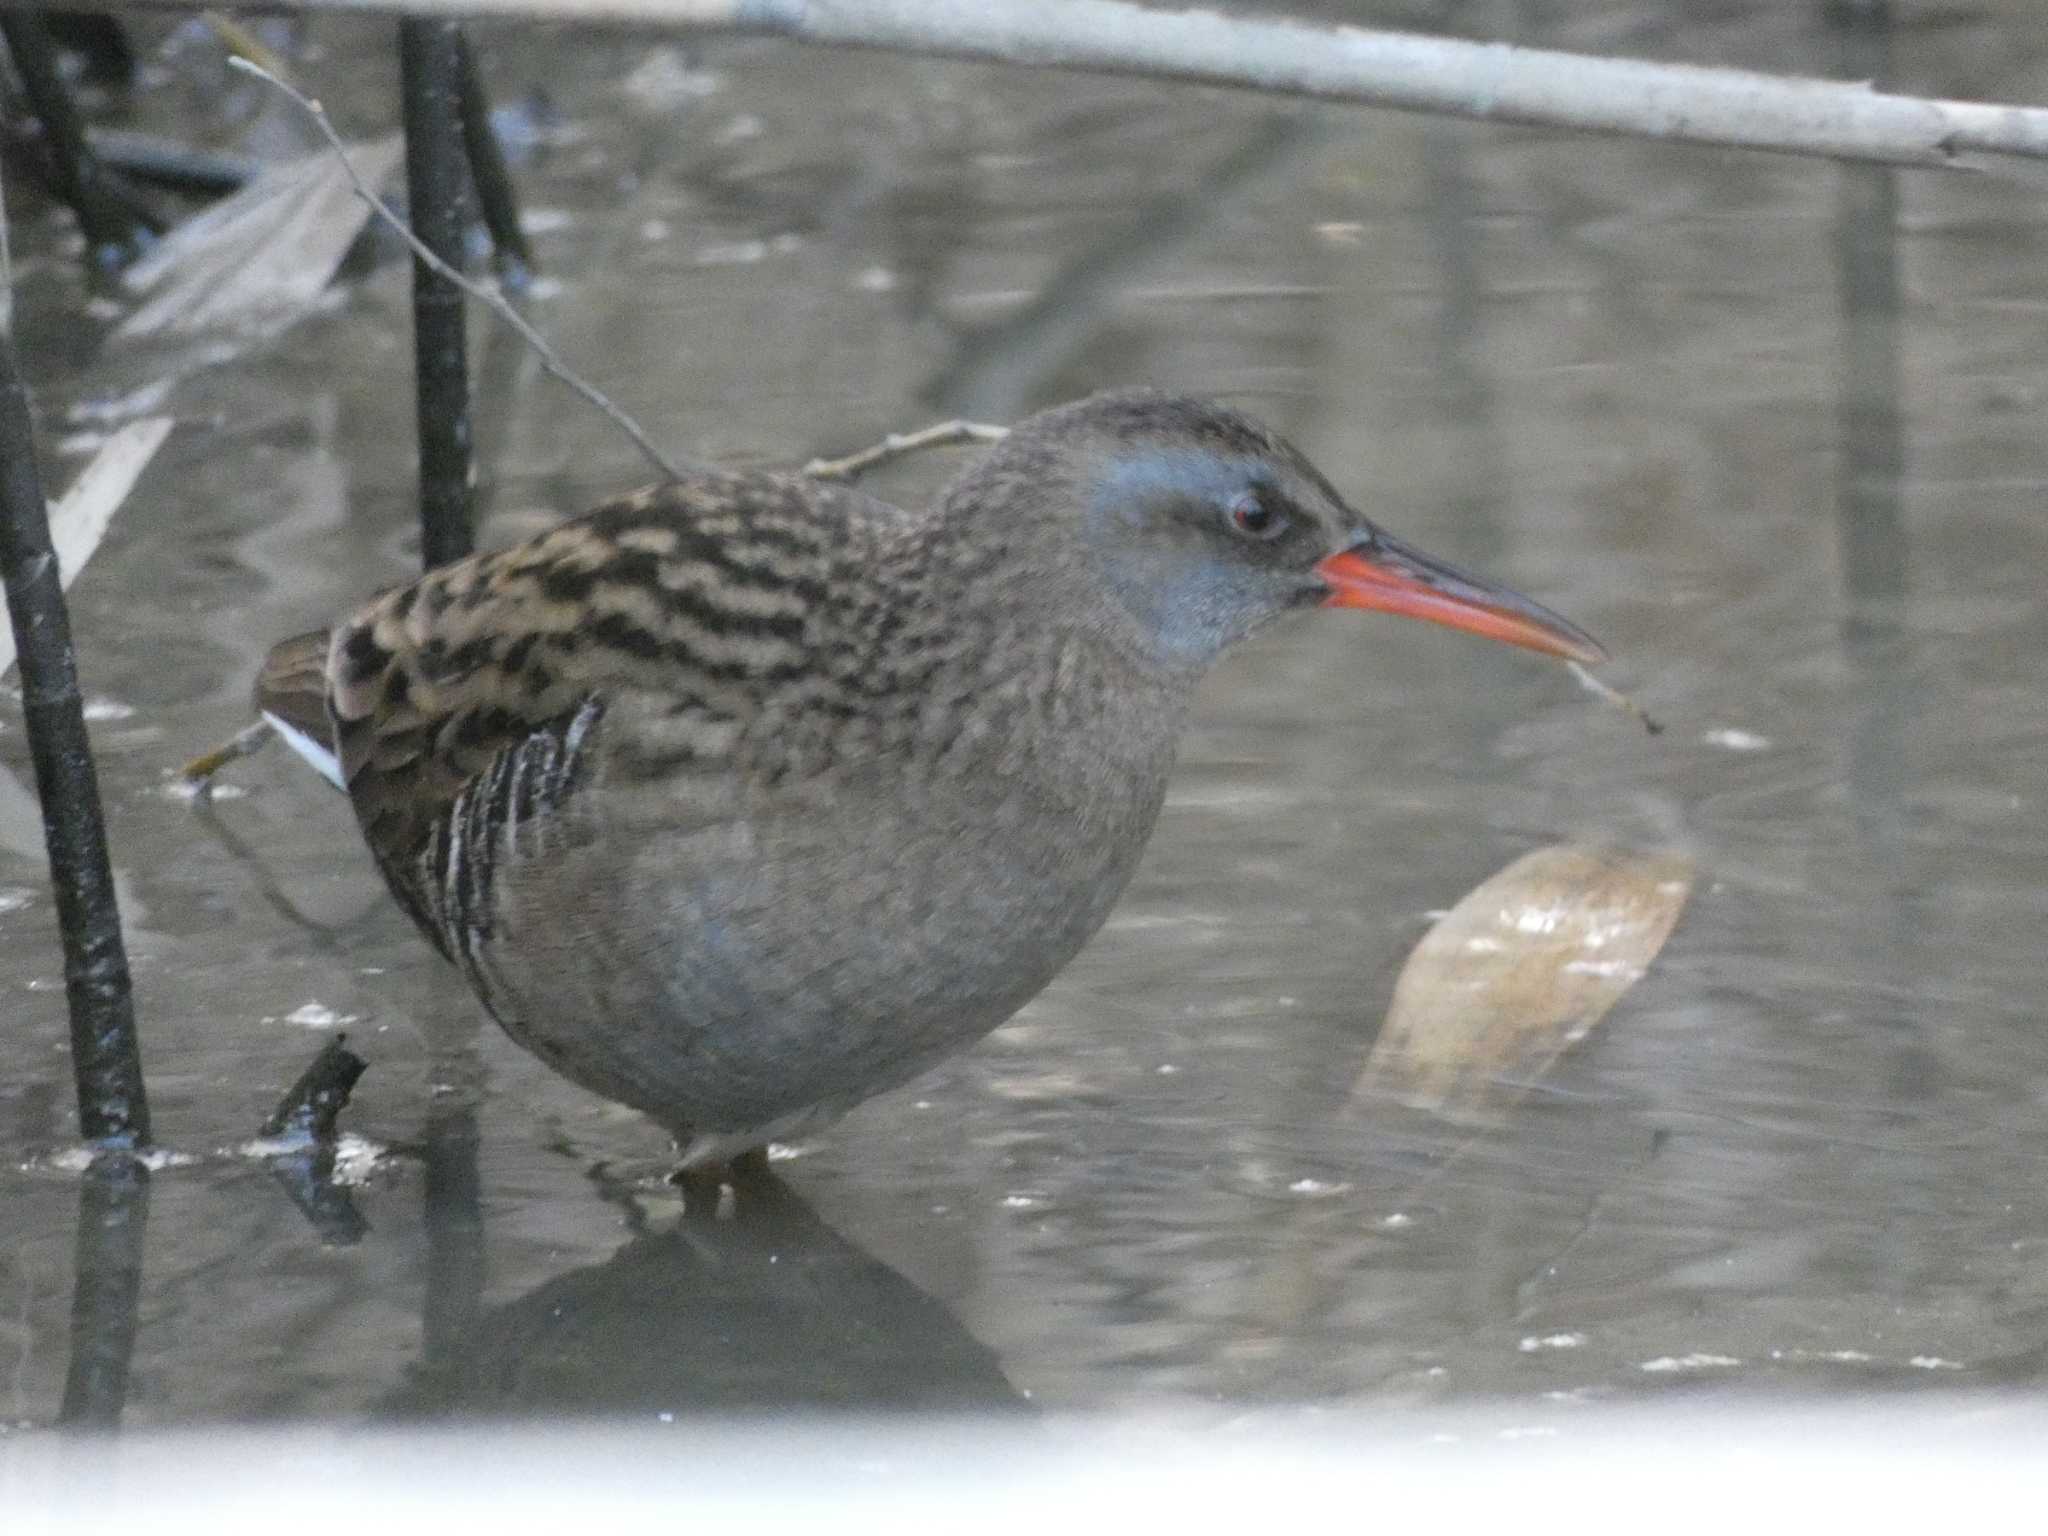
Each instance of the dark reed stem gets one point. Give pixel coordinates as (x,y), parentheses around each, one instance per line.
(100,40)
(159,162)
(436,176)
(313,1104)
(307,1118)
(111,234)
(106,1058)
(306,1175)
(113,1216)
(495,196)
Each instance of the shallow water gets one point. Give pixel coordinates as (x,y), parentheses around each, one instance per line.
(1773,430)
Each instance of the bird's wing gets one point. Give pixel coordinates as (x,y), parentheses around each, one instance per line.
(644,637)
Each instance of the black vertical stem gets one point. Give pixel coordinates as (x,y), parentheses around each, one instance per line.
(101,40)
(436,178)
(106,1059)
(113,1214)
(495,197)
(109,231)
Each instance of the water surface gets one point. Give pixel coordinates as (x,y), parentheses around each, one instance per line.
(1772,429)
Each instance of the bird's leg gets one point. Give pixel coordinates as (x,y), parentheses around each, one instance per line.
(617,1192)
(700,1188)
(750,1167)
(706,1188)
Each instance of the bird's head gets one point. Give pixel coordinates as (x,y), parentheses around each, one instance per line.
(1200,525)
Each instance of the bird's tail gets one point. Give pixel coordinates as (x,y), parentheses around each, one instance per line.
(291,693)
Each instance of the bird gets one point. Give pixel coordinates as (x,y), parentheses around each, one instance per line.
(745,797)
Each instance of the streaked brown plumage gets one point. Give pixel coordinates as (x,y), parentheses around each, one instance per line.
(744,798)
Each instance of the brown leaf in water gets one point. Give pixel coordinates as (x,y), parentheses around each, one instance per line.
(1524,966)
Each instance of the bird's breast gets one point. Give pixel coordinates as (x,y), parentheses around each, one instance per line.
(820,936)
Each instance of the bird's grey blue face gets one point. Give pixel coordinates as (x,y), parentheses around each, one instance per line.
(1201,525)
(1202,545)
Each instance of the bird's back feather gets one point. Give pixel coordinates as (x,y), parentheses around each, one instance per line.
(648,634)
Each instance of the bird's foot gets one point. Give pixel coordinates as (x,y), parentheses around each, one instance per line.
(716,1189)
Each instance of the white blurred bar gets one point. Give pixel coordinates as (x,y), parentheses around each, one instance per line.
(1919,1462)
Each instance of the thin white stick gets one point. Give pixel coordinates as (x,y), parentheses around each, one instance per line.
(898,444)
(1676,102)
(1607,693)
(549,359)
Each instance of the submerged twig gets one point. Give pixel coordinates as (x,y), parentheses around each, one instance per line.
(898,444)
(306,1120)
(161,162)
(312,1105)
(549,359)
(307,1178)
(1608,694)
(113,1221)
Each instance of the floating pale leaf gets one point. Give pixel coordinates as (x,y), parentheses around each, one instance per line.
(257,261)
(78,521)
(80,517)
(1524,966)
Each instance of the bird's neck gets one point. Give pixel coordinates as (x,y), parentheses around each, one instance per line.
(1003,662)
(1025,554)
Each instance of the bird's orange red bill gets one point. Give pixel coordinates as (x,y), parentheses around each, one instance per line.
(1381,573)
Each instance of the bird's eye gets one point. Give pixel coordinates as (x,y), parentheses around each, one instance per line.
(1255,516)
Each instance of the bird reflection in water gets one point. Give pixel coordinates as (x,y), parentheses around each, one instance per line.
(751,1304)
